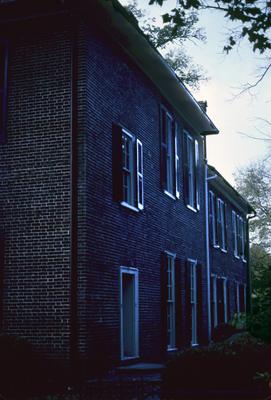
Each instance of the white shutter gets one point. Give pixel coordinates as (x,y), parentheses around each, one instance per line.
(139,175)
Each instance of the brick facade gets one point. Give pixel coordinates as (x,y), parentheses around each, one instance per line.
(57,210)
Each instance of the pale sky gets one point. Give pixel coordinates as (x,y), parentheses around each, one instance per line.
(232,115)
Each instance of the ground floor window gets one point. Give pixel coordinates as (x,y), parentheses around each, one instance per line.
(171,322)
(214,301)
(129,313)
(193,301)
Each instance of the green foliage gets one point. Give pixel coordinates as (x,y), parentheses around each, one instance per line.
(170,40)
(232,364)
(253,16)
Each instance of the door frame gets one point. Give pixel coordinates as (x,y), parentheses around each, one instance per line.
(134,273)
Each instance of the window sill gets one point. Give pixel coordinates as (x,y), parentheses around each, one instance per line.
(224,251)
(244,260)
(191,208)
(194,344)
(170,195)
(215,246)
(172,349)
(127,205)
(237,257)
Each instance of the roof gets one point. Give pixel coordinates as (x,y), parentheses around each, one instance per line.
(225,188)
(123,29)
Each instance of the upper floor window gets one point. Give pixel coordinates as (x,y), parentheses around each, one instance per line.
(221,224)
(128,182)
(239,235)
(3,88)
(191,171)
(217,222)
(212,219)
(170,154)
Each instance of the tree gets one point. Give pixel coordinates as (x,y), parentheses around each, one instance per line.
(254,183)
(260,318)
(252,18)
(170,41)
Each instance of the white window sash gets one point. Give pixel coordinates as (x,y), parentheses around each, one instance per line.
(234,228)
(196,171)
(171,322)
(177,162)
(140,177)
(214,277)
(193,301)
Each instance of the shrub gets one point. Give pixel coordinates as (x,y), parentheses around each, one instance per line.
(20,367)
(224,331)
(229,365)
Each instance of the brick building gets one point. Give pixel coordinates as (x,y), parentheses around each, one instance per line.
(104,234)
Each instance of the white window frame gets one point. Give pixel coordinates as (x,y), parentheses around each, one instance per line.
(134,272)
(171,302)
(177,161)
(212,213)
(193,301)
(214,296)
(234,230)
(220,216)
(191,171)
(140,176)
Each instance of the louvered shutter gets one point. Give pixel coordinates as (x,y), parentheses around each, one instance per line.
(117,162)
(188,309)
(178,300)
(212,302)
(163,157)
(163,302)
(200,332)
(3,88)
(185,168)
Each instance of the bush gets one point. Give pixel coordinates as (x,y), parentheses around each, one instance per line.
(229,365)
(224,331)
(20,368)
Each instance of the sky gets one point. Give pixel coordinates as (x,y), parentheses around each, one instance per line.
(234,115)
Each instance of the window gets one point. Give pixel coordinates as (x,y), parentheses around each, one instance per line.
(170,154)
(128,178)
(193,301)
(221,224)
(237,305)
(129,317)
(214,301)
(171,323)
(225,299)
(212,219)
(239,236)
(3,88)
(191,171)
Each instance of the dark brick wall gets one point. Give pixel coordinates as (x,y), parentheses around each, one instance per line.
(119,93)
(35,187)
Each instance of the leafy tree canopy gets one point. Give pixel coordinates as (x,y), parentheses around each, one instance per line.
(254,183)
(253,18)
(170,40)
